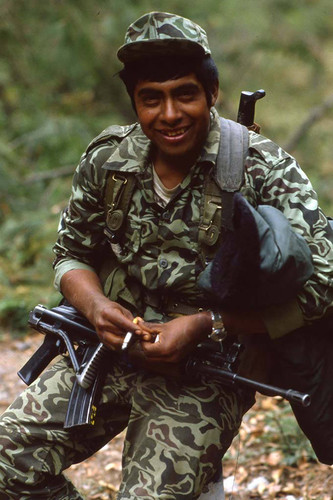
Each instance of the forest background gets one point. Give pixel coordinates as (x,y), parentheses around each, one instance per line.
(59,88)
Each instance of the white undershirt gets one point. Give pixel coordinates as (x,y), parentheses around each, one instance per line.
(162,194)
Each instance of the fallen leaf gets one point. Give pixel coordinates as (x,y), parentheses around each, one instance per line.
(274,458)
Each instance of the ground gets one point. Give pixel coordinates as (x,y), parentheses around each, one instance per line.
(270,459)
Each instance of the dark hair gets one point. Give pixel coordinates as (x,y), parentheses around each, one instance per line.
(171,68)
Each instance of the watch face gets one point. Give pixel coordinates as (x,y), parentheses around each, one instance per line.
(218,329)
(218,334)
(218,324)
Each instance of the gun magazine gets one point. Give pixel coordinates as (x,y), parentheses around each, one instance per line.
(82,405)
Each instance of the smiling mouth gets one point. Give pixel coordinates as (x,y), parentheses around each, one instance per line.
(174,133)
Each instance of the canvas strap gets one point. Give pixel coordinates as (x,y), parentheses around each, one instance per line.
(226,179)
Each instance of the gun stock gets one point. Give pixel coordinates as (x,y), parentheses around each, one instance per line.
(246,108)
(65,330)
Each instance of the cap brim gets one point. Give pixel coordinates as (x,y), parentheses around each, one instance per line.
(135,51)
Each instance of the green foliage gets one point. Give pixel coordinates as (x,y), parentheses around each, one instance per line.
(59,88)
(270,429)
(25,266)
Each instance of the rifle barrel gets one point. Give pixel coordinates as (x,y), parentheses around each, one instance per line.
(265,389)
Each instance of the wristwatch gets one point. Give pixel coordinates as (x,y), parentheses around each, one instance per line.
(219,332)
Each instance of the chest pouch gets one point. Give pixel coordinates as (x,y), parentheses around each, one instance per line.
(118,194)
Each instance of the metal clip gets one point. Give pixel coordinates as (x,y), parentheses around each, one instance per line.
(214,203)
(122,179)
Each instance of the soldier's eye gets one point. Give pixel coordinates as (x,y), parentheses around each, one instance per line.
(186,96)
(151,100)
(187,93)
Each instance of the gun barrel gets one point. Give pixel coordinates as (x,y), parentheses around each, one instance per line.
(197,365)
(298,397)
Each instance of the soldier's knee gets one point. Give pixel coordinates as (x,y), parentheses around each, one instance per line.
(25,470)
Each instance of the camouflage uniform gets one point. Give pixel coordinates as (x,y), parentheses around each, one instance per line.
(177,431)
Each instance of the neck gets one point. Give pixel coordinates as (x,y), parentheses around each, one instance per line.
(172,169)
(171,174)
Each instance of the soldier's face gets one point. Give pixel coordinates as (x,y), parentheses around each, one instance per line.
(175,116)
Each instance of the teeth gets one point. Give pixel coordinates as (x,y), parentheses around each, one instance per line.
(173,133)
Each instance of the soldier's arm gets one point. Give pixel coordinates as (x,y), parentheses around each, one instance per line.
(77,249)
(274,177)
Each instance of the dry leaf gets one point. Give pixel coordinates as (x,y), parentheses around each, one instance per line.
(276,475)
(113,466)
(275,458)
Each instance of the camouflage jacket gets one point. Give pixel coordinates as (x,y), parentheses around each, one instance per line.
(158,254)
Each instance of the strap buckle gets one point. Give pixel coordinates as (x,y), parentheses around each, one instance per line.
(117,191)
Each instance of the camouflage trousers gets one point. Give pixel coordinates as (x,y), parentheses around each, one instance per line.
(177,433)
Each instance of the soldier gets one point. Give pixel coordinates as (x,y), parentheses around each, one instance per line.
(147,262)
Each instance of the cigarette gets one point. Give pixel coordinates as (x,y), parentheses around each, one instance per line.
(127,340)
(129,335)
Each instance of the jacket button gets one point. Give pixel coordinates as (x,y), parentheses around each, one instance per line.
(163,263)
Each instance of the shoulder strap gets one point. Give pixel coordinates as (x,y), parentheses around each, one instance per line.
(216,209)
(233,149)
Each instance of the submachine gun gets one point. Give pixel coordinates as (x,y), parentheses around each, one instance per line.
(68,332)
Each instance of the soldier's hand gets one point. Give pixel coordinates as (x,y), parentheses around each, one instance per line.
(112,322)
(174,339)
(83,289)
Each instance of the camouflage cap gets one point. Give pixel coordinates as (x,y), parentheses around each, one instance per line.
(161,33)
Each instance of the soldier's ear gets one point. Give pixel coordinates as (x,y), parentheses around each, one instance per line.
(215,94)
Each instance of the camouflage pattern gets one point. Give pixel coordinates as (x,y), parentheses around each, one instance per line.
(161,33)
(159,249)
(177,434)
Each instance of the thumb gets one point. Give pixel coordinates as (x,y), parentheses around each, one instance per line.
(152,347)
